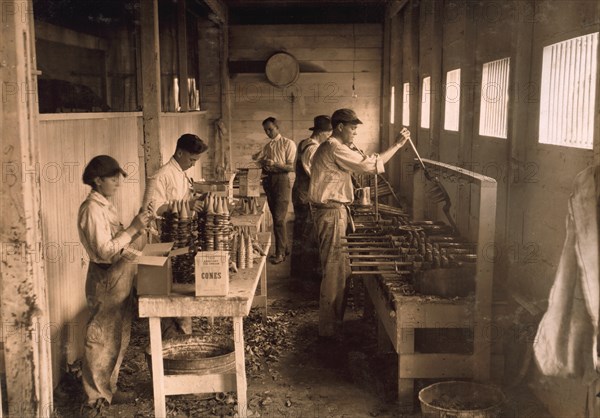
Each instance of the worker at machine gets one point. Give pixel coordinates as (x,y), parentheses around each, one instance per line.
(305,251)
(330,192)
(566,344)
(172,183)
(109,283)
(277,160)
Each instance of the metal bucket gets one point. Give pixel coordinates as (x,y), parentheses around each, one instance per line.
(192,354)
(456,399)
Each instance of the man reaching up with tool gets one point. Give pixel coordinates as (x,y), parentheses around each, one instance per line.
(330,192)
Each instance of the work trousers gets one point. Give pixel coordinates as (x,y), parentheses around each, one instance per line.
(109,295)
(306,262)
(330,225)
(278,191)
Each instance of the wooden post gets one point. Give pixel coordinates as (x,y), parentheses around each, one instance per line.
(467,110)
(386,83)
(225,97)
(151,85)
(24,299)
(437,95)
(182,47)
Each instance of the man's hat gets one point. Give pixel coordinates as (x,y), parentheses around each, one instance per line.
(346,116)
(101,166)
(322,123)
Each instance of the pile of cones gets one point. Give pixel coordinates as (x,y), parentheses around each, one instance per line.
(180,226)
(216,224)
(242,248)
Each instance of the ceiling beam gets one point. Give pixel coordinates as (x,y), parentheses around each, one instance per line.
(219,9)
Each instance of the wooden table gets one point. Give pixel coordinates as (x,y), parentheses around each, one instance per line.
(182,303)
(257,223)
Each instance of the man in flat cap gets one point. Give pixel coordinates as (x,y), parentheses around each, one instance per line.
(330,192)
(305,251)
(171,183)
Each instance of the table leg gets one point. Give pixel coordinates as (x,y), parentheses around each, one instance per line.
(158,382)
(240,365)
(406,345)
(263,291)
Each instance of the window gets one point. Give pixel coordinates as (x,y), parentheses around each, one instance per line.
(452,99)
(494,98)
(568,91)
(426,102)
(393,105)
(406,104)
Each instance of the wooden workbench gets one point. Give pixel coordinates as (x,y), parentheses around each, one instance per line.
(400,315)
(183,303)
(256,223)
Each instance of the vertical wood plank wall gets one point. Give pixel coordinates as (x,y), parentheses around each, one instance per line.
(67,143)
(65,148)
(173,125)
(327,53)
(534,180)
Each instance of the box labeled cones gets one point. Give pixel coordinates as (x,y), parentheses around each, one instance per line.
(212,273)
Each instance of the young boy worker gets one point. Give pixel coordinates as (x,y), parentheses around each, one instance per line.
(330,192)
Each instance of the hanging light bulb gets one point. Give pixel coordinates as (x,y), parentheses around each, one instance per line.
(354,94)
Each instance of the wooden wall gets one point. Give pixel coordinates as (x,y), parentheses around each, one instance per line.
(67,143)
(534,180)
(328,54)
(172,126)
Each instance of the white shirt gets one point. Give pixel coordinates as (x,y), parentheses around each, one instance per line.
(169,183)
(279,149)
(331,170)
(101,232)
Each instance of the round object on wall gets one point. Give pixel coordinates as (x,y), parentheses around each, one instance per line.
(282,69)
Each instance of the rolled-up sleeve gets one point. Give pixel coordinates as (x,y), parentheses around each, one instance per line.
(355,162)
(307,157)
(290,153)
(98,235)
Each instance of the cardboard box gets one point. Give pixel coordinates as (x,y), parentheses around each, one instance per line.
(212,273)
(222,188)
(155,275)
(250,182)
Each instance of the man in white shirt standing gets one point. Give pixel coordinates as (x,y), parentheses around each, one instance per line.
(277,160)
(330,192)
(171,183)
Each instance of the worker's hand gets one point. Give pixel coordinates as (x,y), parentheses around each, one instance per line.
(255,156)
(141,220)
(198,205)
(402,137)
(268,162)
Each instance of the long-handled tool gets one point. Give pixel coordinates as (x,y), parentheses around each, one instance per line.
(438,192)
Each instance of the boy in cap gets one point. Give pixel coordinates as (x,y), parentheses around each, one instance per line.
(305,252)
(109,283)
(330,192)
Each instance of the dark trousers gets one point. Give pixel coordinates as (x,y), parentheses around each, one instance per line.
(278,191)
(305,249)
